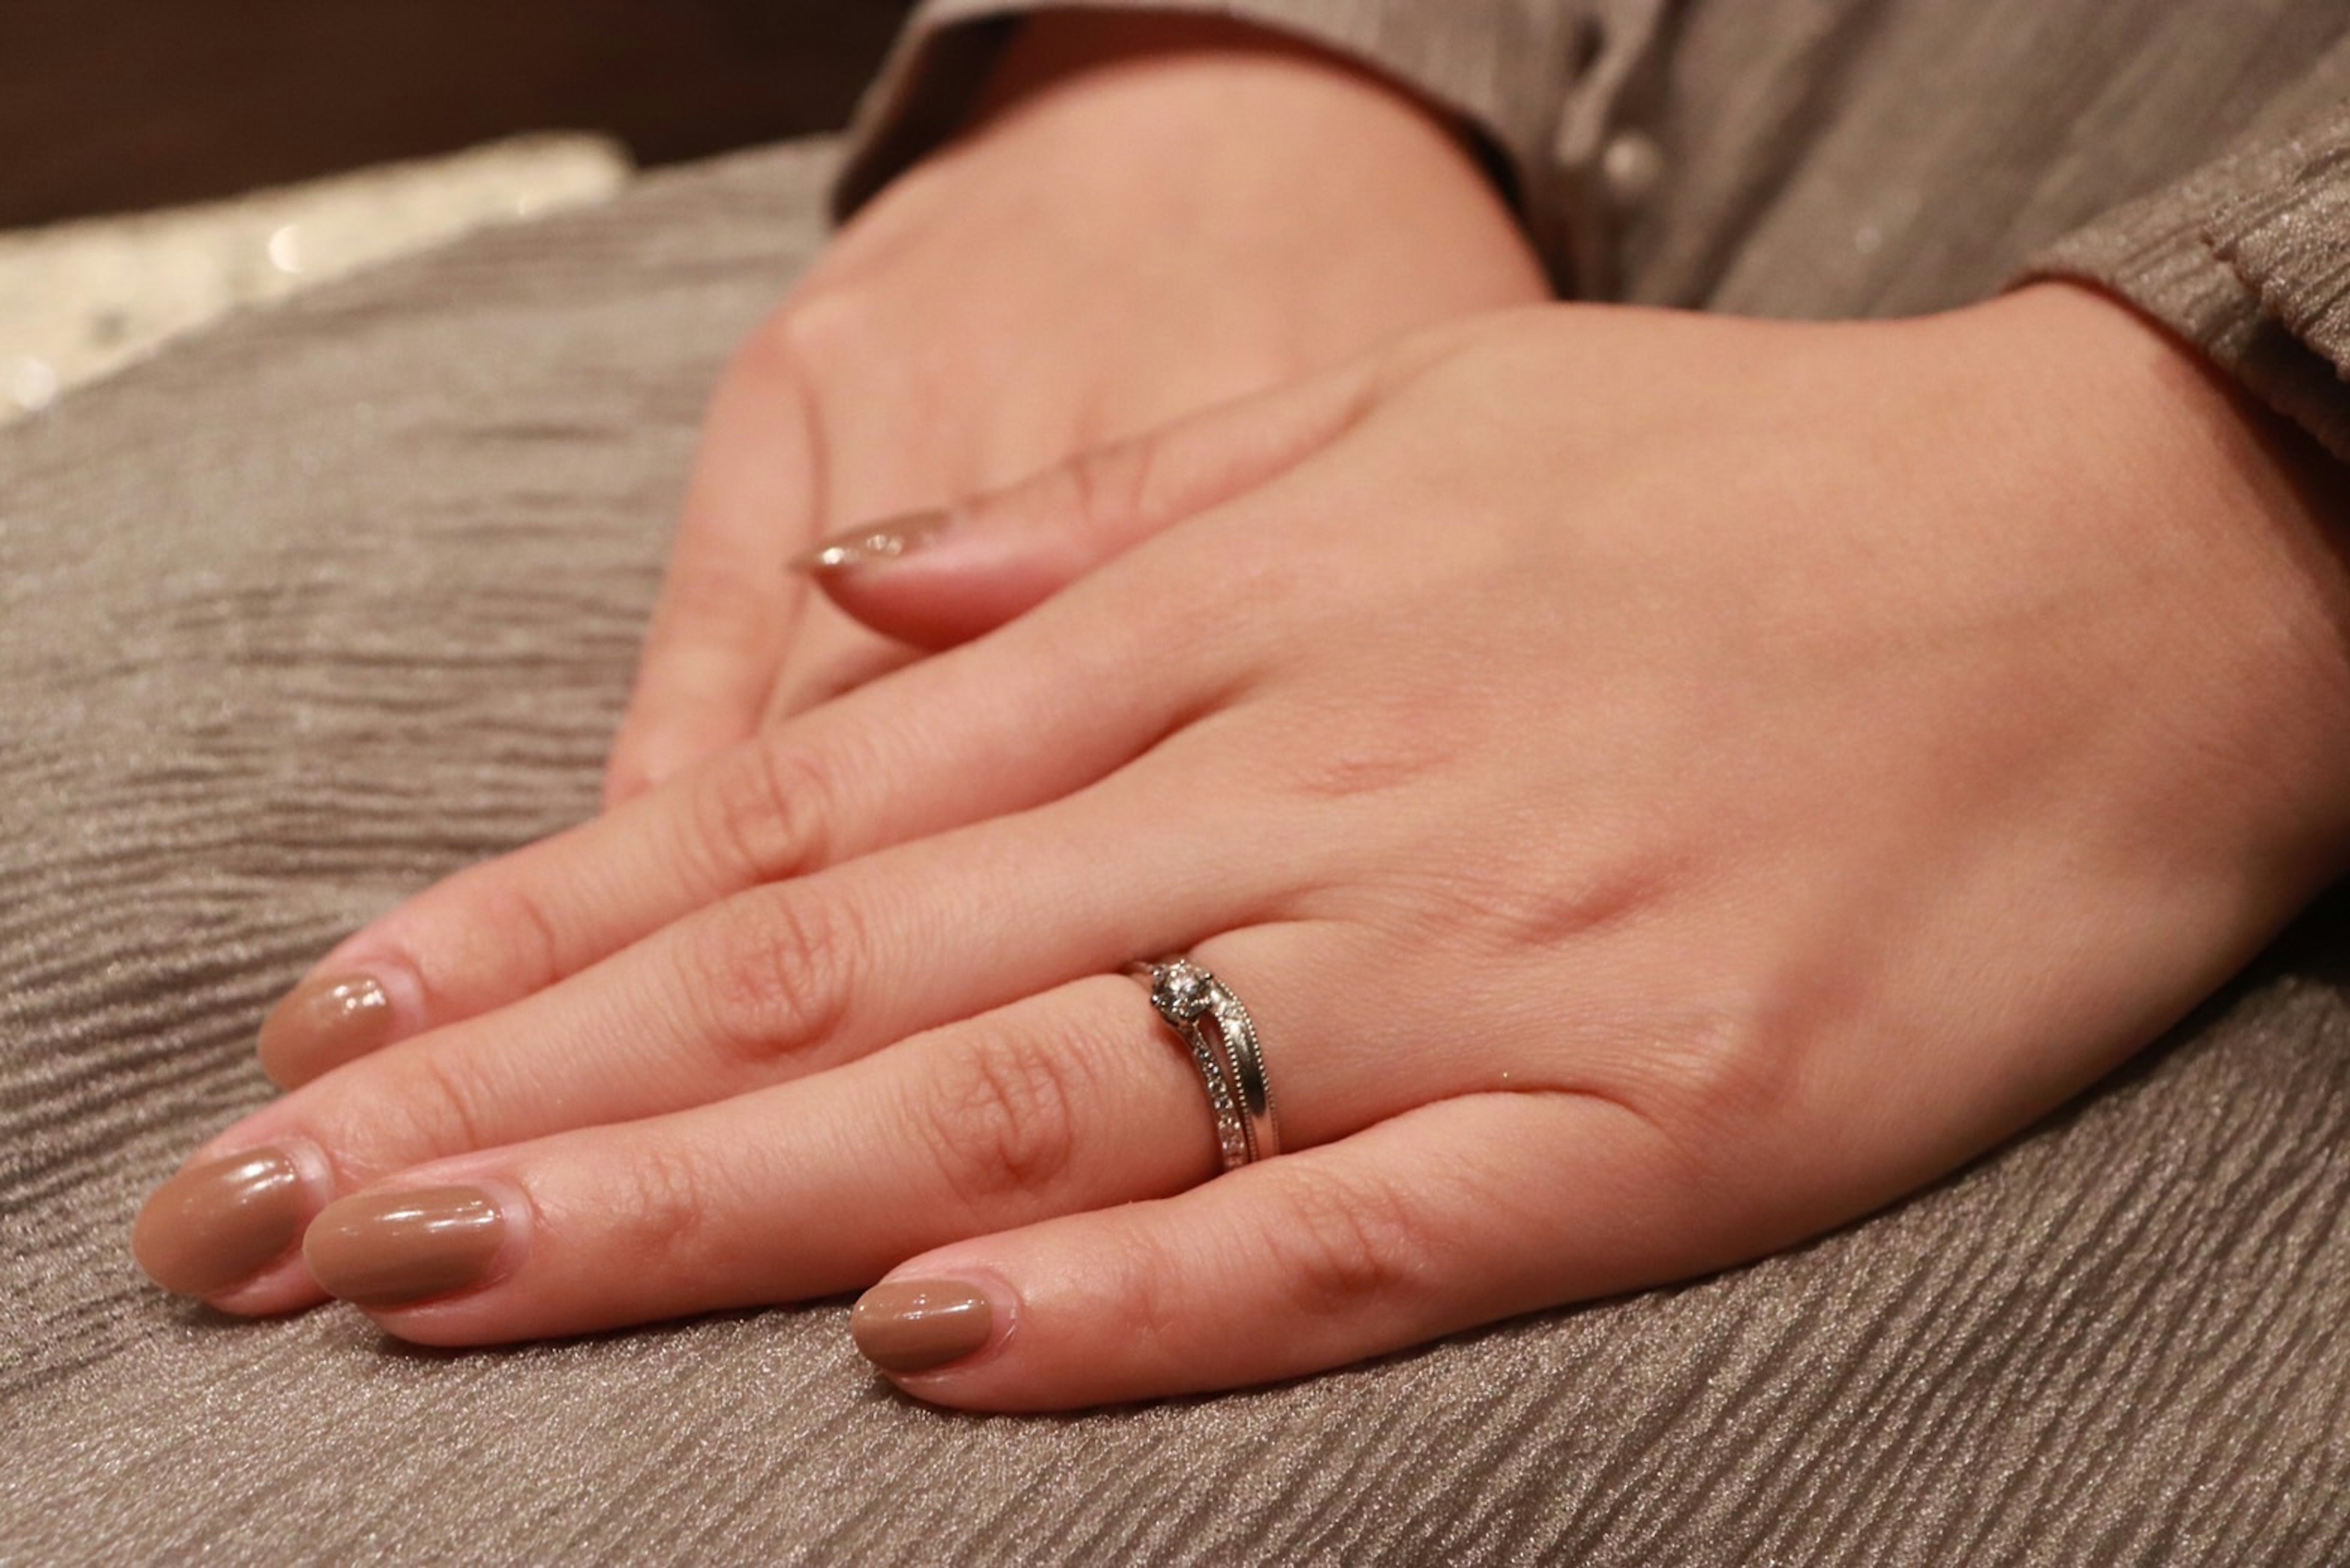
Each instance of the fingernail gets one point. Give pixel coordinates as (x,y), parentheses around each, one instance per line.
(218,1225)
(876,542)
(389,1249)
(914,1325)
(325,1022)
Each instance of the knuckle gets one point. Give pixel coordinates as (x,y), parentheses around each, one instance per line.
(1110,487)
(1267,602)
(1386,740)
(1350,1242)
(1004,1117)
(1712,1081)
(707,604)
(1540,906)
(659,1210)
(824,325)
(762,814)
(1152,1283)
(1357,767)
(429,1107)
(529,943)
(628,774)
(772,971)
(1724,1067)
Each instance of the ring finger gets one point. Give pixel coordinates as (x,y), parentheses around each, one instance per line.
(772,984)
(1070,1101)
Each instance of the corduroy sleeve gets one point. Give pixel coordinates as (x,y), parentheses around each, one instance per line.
(2249,258)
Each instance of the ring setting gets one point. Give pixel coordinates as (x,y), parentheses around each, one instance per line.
(1215,1024)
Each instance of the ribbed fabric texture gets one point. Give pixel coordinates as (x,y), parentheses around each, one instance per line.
(2289,237)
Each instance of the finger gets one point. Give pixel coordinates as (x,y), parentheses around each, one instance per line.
(992,730)
(771,985)
(1441,1218)
(941,578)
(726,607)
(1046,1106)
(830,656)
(1063,1101)
(1074,1097)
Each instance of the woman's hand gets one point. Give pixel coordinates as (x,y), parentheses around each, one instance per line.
(1152,214)
(1664,785)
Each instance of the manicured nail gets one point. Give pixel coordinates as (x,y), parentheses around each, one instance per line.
(876,543)
(325,1022)
(216,1226)
(388,1249)
(914,1325)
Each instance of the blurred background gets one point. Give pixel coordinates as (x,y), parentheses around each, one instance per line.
(168,161)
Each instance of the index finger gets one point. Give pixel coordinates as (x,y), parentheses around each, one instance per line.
(1016,721)
(727,605)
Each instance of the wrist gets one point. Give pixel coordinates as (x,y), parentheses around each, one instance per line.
(1201,159)
(1055,47)
(2212,496)
(1212,77)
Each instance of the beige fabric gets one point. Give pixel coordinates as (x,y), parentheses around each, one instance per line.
(2288,236)
(329,602)
(2249,258)
(1858,157)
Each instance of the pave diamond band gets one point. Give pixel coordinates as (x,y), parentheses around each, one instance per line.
(1222,1039)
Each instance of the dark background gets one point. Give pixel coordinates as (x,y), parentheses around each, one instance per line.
(110,105)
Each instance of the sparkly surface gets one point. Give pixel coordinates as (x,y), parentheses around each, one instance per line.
(1180,990)
(81,300)
(1185,994)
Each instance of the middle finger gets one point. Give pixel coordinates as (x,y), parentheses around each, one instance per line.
(1070,1101)
(782,982)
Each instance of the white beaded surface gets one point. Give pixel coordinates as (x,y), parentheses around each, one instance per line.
(79,300)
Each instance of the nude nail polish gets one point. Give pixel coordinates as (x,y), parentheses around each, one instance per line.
(876,543)
(213,1227)
(389,1249)
(325,1022)
(916,1325)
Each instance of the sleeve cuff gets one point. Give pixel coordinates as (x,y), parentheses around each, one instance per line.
(2249,258)
(1501,66)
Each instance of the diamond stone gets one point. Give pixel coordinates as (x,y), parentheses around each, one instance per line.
(1182,989)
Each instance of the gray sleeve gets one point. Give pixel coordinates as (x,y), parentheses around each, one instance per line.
(1503,67)
(2249,258)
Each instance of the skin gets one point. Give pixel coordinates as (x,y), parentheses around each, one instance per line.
(1317,212)
(1666,785)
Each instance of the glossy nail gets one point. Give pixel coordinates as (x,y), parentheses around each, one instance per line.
(389,1249)
(915,1325)
(325,1022)
(213,1227)
(874,543)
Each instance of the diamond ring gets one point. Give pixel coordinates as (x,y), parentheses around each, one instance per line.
(1222,1039)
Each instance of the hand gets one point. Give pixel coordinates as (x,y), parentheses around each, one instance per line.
(1152,214)
(1665,785)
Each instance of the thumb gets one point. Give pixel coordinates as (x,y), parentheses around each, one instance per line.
(938,578)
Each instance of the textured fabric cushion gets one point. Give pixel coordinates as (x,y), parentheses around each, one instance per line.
(346,596)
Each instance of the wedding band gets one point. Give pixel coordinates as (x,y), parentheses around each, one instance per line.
(1230,1056)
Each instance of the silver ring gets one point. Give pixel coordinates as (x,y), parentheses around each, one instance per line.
(1230,1056)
